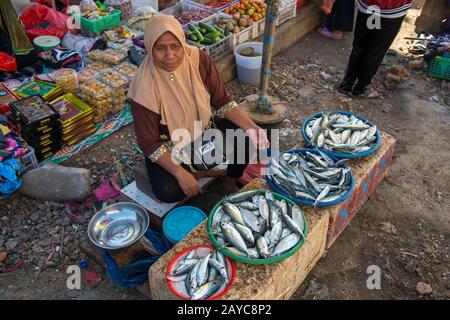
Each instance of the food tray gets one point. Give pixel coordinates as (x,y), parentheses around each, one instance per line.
(78,124)
(71,109)
(287,10)
(80,137)
(77,131)
(6,96)
(44,89)
(33,111)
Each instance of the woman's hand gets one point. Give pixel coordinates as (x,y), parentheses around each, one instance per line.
(259,137)
(188,183)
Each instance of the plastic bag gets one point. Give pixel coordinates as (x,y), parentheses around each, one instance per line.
(325,5)
(135,273)
(87,6)
(40,20)
(78,43)
(7,63)
(9,177)
(150,6)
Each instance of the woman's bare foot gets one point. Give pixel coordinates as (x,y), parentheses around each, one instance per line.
(338,34)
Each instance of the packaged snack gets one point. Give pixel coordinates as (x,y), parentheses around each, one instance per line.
(67,79)
(113,56)
(86,75)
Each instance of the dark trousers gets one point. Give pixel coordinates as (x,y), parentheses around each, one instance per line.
(166,187)
(369,48)
(342,16)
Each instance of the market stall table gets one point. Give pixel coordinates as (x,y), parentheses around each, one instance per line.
(270,281)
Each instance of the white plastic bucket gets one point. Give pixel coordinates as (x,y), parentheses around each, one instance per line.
(249,68)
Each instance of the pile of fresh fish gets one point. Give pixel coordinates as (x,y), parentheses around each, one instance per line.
(341,133)
(315,178)
(204,276)
(257,226)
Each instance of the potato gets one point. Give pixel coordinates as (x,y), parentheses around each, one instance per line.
(246,17)
(230,26)
(242,22)
(242,28)
(234,22)
(236,29)
(250,22)
(236,16)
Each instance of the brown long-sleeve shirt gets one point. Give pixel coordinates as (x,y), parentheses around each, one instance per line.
(147,124)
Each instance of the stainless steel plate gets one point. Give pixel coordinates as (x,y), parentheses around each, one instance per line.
(118,225)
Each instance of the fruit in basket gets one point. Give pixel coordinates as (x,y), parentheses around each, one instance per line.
(255,10)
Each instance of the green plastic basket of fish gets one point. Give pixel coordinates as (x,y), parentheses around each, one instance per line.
(257,227)
(341,134)
(439,67)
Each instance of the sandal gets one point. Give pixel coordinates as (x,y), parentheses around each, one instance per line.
(368,93)
(327,33)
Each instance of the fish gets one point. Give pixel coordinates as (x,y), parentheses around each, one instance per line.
(251,220)
(286,244)
(233,212)
(264,208)
(293,225)
(245,232)
(219,267)
(202,270)
(206,290)
(262,247)
(314,178)
(275,234)
(242,196)
(234,237)
(247,205)
(341,133)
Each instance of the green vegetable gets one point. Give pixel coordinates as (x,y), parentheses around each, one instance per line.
(217,39)
(197,32)
(226,31)
(212,35)
(207,27)
(207,41)
(203,31)
(193,36)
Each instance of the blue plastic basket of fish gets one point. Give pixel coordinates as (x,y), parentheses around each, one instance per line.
(341,134)
(257,227)
(310,177)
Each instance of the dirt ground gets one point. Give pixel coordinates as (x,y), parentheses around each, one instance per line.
(403,228)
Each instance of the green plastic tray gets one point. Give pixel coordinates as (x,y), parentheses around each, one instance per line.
(255,261)
(104,23)
(440,68)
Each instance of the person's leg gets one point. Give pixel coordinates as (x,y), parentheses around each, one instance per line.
(380,42)
(361,40)
(238,156)
(165,186)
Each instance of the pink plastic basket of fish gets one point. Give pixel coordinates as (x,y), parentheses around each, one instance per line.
(200,273)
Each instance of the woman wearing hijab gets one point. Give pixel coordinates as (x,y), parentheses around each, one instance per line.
(175,86)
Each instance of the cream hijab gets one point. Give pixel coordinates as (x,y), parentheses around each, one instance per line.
(180,101)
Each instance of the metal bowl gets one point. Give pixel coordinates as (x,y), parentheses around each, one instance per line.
(118,225)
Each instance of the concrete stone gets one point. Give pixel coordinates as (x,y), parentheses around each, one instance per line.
(269,281)
(57,183)
(423,288)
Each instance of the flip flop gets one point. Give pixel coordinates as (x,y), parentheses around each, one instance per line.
(327,33)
